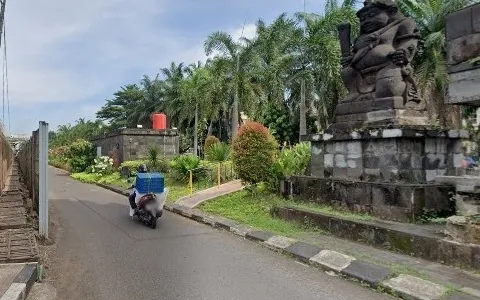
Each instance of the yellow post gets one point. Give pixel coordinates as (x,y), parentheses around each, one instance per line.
(219,176)
(190,183)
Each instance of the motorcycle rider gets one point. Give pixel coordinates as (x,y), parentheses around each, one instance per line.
(131,198)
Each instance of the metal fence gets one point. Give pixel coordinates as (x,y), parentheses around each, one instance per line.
(6,159)
(211,176)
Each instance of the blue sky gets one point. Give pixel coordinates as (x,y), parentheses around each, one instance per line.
(66,57)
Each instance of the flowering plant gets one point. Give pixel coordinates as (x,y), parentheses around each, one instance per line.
(103,166)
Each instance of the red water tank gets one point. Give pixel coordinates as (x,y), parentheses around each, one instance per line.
(159,121)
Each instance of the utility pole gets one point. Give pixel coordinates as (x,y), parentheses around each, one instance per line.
(2,18)
(303,109)
(2,23)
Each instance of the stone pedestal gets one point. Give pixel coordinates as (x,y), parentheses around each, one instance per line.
(376,112)
(387,172)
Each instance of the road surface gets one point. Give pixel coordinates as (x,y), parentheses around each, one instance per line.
(104,254)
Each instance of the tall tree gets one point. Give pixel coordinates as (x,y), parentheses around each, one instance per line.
(117,110)
(240,64)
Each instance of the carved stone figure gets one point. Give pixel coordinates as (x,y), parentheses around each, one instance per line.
(377,68)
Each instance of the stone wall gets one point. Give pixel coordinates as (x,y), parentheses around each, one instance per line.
(388,155)
(392,201)
(133,144)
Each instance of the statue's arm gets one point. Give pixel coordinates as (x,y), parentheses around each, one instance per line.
(406,39)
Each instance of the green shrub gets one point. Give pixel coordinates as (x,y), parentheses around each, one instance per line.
(218,152)
(183,164)
(80,155)
(155,163)
(209,142)
(294,160)
(253,153)
(133,165)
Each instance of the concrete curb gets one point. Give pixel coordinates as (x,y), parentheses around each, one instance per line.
(373,275)
(22,284)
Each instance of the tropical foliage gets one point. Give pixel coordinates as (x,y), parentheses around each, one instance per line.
(287,77)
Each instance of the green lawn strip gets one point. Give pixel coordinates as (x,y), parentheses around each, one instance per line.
(254,211)
(177,190)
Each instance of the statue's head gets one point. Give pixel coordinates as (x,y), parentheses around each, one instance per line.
(376,14)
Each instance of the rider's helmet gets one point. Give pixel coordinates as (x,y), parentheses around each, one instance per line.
(142,169)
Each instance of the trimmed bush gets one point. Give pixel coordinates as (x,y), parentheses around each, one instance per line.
(254,150)
(80,155)
(209,142)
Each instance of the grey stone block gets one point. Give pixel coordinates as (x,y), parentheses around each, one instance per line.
(354,148)
(339,147)
(197,215)
(430,146)
(367,272)
(225,223)
(340,161)
(410,287)
(303,251)
(260,236)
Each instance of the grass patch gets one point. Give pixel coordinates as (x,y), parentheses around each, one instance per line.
(177,189)
(254,211)
(112,179)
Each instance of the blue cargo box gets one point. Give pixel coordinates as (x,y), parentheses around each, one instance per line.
(150,183)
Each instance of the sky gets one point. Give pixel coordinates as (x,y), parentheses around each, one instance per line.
(65,58)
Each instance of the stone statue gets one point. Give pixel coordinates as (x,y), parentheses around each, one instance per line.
(377,68)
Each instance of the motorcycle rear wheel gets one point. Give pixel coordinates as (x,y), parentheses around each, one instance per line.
(153,221)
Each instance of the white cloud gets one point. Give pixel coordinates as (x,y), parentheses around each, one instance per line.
(249,32)
(43,45)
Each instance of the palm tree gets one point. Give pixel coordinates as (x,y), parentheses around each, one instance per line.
(323,54)
(153,95)
(430,62)
(173,77)
(195,94)
(275,46)
(219,90)
(239,57)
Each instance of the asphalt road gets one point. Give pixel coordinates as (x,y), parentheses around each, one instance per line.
(104,254)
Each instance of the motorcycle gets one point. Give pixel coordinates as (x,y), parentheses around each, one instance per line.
(149,208)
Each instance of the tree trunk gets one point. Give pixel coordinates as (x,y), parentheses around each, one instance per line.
(195,135)
(303,111)
(210,127)
(235,102)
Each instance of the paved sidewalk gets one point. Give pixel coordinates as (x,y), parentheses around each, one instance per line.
(211,193)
